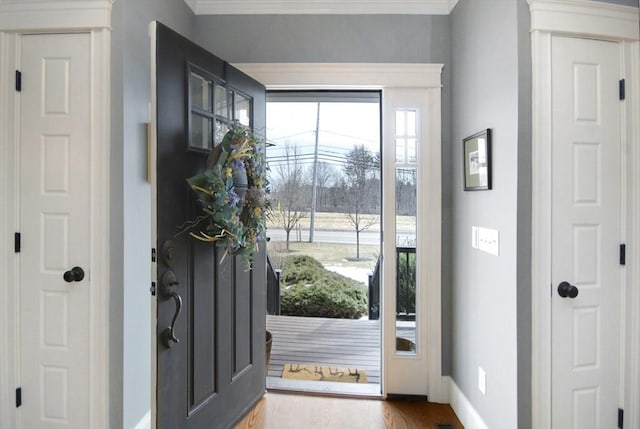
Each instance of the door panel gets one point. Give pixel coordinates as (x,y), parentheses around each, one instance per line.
(586,225)
(54,220)
(216,371)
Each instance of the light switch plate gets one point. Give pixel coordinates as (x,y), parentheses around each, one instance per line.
(474,237)
(482,380)
(489,240)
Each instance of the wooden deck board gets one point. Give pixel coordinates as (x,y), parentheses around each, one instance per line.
(331,342)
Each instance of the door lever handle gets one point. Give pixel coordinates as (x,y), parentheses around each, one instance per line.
(169,334)
(169,286)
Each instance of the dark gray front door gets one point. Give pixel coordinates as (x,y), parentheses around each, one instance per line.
(215,371)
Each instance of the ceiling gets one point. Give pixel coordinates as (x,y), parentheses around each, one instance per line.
(321,7)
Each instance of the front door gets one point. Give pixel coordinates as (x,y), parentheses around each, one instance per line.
(587,232)
(55,277)
(210,308)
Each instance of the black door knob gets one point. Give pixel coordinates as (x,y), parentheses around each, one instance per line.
(567,290)
(75,274)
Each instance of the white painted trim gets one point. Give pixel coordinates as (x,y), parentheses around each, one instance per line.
(145,422)
(50,14)
(432,274)
(152,141)
(388,77)
(321,7)
(99,207)
(467,414)
(632,338)
(7,228)
(587,18)
(100,230)
(344,75)
(607,22)
(541,231)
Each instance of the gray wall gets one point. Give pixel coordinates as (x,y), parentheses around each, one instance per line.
(130,339)
(352,38)
(325,38)
(486,86)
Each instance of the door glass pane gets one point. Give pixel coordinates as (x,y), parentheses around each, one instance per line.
(201,137)
(242,109)
(222,107)
(200,92)
(221,130)
(406,230)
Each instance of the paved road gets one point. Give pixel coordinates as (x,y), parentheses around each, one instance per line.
(324,236)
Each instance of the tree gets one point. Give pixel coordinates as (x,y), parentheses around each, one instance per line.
(360,190)
(324,173)
(290,190)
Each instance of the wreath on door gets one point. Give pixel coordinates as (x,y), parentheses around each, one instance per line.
(233,193)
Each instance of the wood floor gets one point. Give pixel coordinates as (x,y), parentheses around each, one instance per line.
(288,411)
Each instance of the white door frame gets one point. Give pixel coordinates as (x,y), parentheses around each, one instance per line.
(619,24)
(390,77)
(17,19)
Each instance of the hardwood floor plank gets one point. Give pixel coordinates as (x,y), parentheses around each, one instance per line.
(287,411)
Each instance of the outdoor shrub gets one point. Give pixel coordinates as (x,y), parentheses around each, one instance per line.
(308,289)
(406,283)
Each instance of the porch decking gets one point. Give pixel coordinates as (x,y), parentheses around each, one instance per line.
(335,342)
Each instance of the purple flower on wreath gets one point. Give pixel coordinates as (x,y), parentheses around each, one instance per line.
(234,199)
(237,164)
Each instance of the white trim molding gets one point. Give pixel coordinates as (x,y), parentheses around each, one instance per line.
(20,15)
(467,414)
(321,7)
(632,337)
(604,21)
(344,75)
(424,82)
(582,17)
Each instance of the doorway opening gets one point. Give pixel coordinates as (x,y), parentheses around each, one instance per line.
(324,245)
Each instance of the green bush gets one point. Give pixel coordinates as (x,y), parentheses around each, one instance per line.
(308,289)
(406,283)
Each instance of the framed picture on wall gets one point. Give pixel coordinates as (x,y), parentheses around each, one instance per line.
(476,153)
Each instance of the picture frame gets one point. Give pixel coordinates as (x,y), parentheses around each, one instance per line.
(476,159)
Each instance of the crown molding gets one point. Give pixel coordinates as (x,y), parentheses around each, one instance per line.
(583,17)
(20,15)
(321,7)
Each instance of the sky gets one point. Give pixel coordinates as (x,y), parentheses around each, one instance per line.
(342,126)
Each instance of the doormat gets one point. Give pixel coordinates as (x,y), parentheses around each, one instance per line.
(323,373)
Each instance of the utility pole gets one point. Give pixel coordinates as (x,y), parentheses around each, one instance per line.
(314,179)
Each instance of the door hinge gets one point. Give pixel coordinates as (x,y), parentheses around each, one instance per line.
(153,288)
(153,255)
(623,254)
(620,418)
(621,89)
(17,245)
(18,80)
(18,397)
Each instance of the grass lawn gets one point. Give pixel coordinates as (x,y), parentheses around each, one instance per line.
(340,221)
(326,253)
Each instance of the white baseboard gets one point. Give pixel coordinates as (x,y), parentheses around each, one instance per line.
(445,390)
(145,422)
(468,415)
